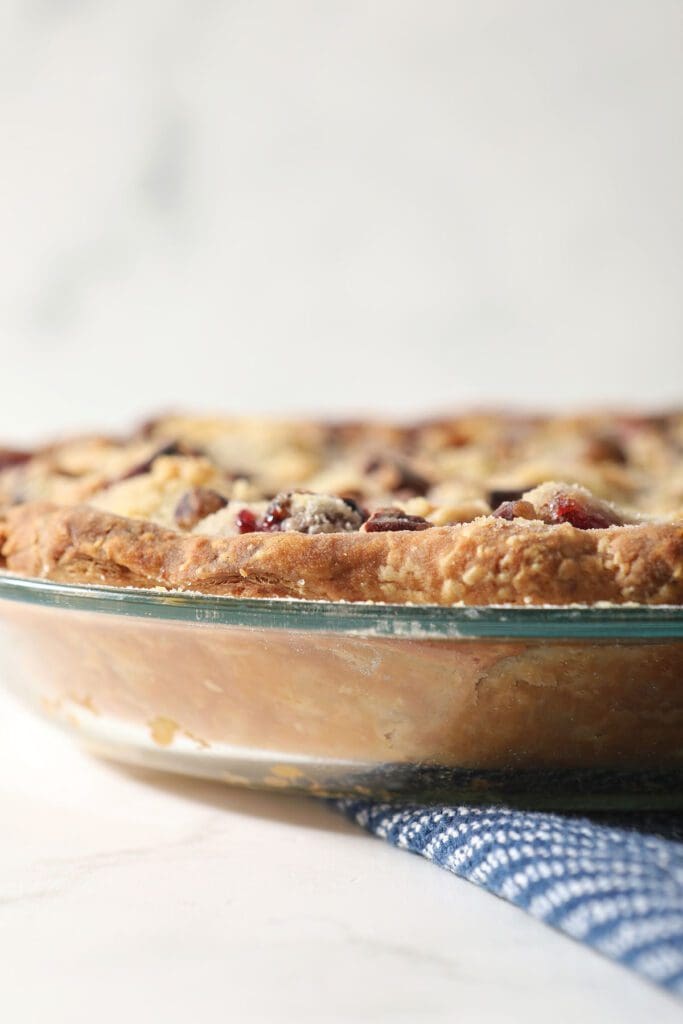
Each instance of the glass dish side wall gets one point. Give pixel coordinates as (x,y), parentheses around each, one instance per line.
(347,713)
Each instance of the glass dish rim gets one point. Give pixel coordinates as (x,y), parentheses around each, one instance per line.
(353,618)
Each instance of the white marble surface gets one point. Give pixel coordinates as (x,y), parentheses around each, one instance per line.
(128,896)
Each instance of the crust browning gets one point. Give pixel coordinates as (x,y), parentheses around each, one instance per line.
(473,509)
(488,561)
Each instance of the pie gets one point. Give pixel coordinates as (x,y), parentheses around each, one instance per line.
(472,509)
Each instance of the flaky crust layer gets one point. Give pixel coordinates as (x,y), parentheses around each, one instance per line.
(488,561)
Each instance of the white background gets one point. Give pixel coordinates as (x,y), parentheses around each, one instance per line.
(302,205)
(330,206)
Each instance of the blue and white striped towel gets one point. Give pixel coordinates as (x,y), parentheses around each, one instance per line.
(614,883)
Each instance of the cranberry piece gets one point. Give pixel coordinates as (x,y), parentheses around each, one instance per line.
(245,521)
(564,508)
(277,511)
(11,457)
(393,519)
(196,504)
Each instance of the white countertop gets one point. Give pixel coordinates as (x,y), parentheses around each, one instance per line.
(132,896)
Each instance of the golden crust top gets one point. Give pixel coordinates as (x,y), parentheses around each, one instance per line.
(446,511)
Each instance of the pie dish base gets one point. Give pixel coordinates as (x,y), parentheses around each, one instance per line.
(565,789)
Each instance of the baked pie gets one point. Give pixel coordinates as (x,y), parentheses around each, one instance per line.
(474,509)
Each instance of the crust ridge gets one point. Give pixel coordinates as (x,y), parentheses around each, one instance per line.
(486,561)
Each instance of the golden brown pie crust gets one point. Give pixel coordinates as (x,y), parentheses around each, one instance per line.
(488,561)
(166,507)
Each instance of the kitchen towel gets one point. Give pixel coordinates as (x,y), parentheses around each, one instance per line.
(613,883)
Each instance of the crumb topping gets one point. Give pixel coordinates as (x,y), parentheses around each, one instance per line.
(223,477)
(479,509)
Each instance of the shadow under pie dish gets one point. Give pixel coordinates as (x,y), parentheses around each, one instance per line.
(348,638)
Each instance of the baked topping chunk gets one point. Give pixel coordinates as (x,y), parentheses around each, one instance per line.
(195,505)
(312,513)
(556,503)
(477,509)
(515,510)
(393,519)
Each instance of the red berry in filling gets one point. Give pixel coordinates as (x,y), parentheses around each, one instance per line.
(10,457)
(276,513)
(245,521)
(566,509)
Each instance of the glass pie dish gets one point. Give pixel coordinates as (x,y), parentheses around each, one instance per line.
(546,707)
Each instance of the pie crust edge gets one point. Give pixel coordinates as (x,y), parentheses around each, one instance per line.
(487,561)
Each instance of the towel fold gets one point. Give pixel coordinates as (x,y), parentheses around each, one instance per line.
(612,882)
